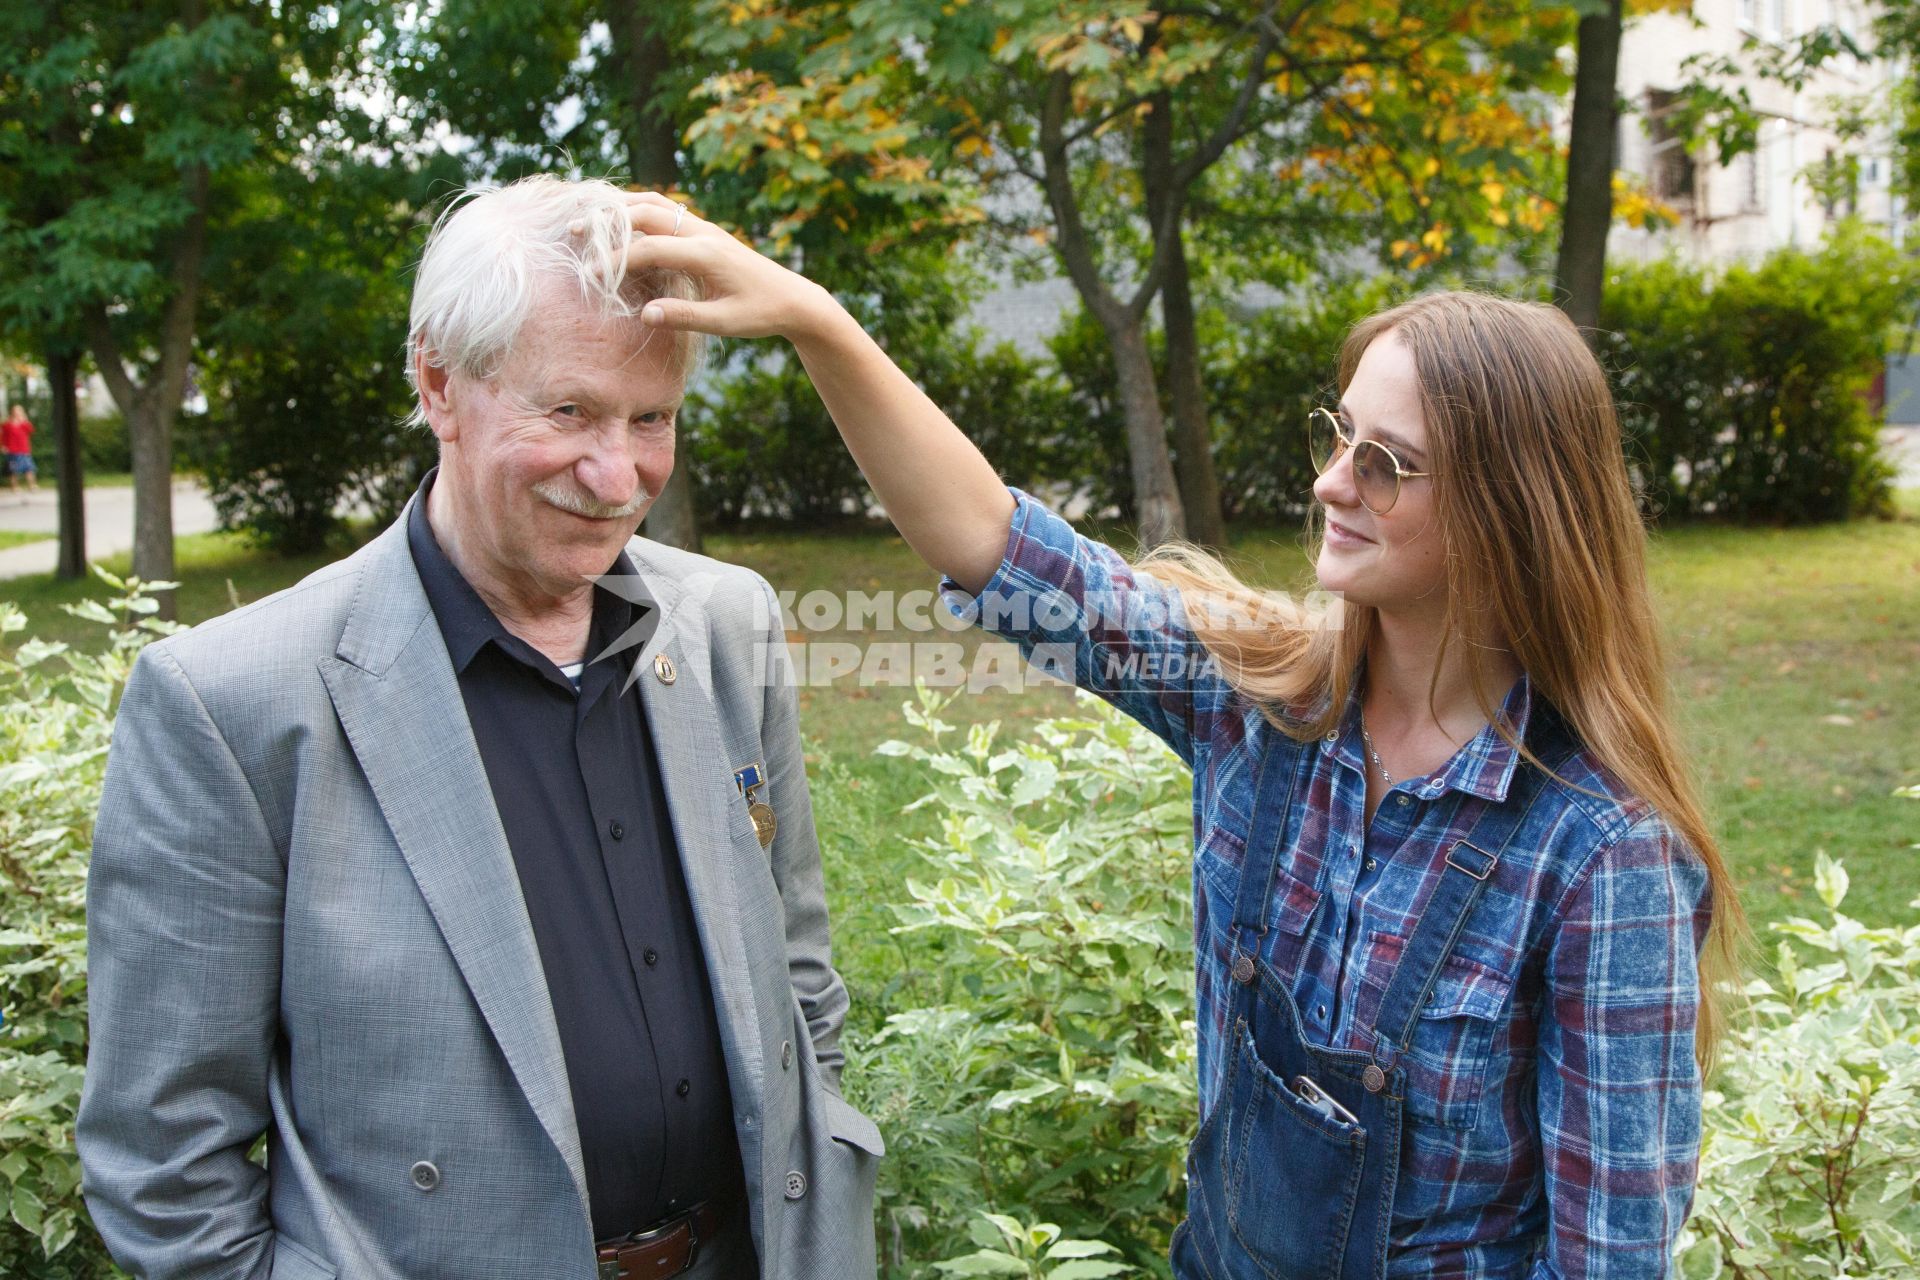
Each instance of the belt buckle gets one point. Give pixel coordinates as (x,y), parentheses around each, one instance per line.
(610,1269)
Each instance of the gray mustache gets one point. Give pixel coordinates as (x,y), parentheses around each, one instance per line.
(568,500)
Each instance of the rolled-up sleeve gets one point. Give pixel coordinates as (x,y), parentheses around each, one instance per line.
(1080,613)
(1619,1087)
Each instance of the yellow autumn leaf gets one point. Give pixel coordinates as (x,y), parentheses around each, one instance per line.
(1431,167)
(1493,192)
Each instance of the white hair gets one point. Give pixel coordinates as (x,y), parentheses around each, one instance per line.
(491,248)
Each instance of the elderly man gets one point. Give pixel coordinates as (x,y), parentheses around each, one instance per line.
(477,872)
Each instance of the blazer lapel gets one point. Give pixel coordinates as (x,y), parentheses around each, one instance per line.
(394,689)
(685,726)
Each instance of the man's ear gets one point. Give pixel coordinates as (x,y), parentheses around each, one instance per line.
(432,379)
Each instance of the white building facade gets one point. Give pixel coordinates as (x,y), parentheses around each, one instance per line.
(1804,173)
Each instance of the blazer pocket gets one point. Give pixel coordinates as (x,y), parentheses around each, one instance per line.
(848,1125)
(295,1262)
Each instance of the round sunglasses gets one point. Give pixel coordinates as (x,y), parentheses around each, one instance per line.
(1377,471)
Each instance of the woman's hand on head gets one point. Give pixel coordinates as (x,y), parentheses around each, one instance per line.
(748,295)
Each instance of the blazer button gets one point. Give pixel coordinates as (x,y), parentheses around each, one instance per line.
(426,1176)
(786,1054)
(796,1185)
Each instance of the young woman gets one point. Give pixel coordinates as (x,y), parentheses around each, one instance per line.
(1460,925)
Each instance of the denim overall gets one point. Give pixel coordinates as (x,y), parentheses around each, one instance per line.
(1292,1175)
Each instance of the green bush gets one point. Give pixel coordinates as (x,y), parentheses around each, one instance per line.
(1743,391)
(1812,1137)
(761,443)
(1052,1075)
(105,445)
(56,720)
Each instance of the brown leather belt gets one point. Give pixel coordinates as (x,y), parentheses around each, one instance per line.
(665,1250)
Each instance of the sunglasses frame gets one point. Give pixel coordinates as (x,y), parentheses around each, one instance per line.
(1344,442)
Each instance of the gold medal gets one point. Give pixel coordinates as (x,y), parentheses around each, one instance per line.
(764,823)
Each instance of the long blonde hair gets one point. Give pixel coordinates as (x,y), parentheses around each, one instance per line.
(1543,541)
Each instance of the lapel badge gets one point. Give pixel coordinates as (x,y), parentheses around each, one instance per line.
(764,821)
(663,667)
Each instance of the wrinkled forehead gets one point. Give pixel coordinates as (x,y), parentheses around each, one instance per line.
(563,327)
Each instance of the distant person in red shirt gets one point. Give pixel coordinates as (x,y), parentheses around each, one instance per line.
(16,441)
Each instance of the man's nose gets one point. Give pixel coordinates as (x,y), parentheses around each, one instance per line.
(608,472)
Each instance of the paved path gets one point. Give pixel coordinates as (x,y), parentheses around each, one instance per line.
(109,523)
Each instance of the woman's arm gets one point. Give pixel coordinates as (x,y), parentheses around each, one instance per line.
(1619,1094)
(943,496)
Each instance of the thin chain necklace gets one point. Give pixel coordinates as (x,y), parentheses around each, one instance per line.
(1368,739)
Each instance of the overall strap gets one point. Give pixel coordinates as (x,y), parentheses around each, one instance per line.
(1470,864)
(1281,784)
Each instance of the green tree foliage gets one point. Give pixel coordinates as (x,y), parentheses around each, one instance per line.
(135,140)
(1096,131)
(303,345)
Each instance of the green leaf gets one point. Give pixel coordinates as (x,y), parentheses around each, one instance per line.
(1829,880)
(1088,1270)
(986,1262)
(27,1209)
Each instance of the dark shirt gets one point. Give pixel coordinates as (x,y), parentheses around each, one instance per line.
(578,788)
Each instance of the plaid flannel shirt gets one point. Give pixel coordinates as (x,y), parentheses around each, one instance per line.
(1552,1122)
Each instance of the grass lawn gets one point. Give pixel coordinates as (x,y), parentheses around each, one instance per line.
(20,537)
(1796,660)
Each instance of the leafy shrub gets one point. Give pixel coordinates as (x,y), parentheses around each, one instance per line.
(1743,392)
(56,708)
(1012,1248)
(1053,1077)
(1812,1137)
(761,443)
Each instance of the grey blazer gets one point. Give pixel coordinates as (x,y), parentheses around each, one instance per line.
(304,922)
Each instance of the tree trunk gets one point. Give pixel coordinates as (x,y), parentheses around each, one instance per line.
(1193,434)
(1156,498)
(62,366)
(150,428)
(1580,276)
(642,55)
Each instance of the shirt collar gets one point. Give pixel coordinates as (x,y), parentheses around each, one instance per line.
(1484,767)
(468,624)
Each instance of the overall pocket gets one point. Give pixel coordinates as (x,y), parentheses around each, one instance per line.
(1292,1174)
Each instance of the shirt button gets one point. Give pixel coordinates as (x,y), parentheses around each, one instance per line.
(684,1088)
(1320,1012)
(1400,799)
(786,1054)
(796,1185)
(425,1176)
(617,831)
(1334,736)
(651,956)
(1371,864)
